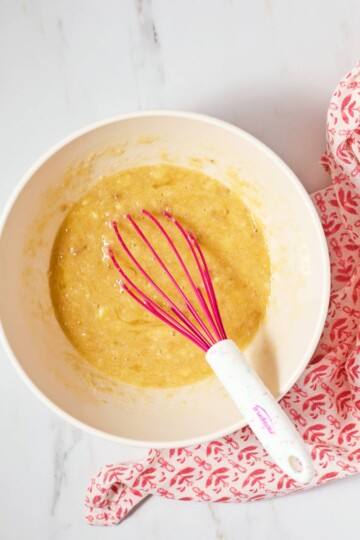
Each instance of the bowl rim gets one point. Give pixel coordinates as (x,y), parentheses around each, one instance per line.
(320,238)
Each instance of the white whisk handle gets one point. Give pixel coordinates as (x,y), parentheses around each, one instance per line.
(260,409)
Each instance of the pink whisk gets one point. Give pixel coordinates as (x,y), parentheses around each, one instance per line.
(202,335)
(267,419)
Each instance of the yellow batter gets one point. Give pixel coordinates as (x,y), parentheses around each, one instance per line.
(111,331)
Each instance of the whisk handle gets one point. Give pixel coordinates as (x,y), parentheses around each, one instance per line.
(258,406)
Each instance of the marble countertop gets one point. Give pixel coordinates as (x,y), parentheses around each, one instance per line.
(267,66)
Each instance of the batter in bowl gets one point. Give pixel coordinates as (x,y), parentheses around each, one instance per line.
(110,330)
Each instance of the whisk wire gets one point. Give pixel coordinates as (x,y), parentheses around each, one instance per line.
(173,306)
(155,309)
(167,271)
(210,290)
(205,276)
(184,326)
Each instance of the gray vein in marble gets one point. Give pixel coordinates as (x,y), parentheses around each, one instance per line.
(146,56)
(217,523)
(60,26)
(61,457)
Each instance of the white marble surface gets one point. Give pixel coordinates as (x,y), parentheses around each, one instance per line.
(268,66)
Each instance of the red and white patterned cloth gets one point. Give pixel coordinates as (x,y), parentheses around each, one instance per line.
(325,402)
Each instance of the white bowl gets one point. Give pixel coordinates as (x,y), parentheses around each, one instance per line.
(300,281)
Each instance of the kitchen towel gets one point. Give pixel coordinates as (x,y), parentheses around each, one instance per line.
(324,404)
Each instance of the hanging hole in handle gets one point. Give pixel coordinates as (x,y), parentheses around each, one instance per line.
(295,464)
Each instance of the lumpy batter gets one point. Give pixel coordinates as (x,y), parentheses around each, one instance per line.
(110,330)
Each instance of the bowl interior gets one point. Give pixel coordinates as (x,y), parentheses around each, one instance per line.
(300,275)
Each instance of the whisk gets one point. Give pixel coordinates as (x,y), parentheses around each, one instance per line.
(254,401)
